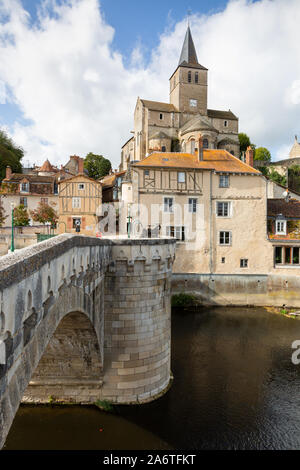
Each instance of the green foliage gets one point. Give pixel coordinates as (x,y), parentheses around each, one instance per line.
(294,177)
(104,405)
(44,214)
(183,300)
(244,141)
(262,153)
(97,166)
(21,217)
(11,155)
(273,175)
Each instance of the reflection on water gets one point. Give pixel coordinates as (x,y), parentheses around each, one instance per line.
(235,387)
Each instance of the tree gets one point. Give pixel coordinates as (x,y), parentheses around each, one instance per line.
(273,175)
(11,155)
(44,214)
(21,217)
(97,166)
(2,214)
(244,141)
(261,153)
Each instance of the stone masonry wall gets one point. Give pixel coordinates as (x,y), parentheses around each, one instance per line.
(138,326)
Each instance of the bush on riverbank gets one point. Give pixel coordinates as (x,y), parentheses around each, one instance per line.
(183,300)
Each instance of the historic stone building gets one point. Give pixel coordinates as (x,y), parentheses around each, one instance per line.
(175,126)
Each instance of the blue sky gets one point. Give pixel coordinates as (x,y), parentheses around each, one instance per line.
(70,75)
(140,20)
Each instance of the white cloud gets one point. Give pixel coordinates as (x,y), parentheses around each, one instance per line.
(79,96)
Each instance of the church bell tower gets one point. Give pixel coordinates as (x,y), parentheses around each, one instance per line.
(188,84)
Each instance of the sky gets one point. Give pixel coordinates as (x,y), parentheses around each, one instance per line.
(71,70)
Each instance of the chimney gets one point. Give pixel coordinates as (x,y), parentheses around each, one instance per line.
(200,149)
(8,173)
(80,165)
(249,156)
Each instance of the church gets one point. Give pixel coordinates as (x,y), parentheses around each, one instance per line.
(177,125)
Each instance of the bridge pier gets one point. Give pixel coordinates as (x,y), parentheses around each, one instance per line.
(83,319)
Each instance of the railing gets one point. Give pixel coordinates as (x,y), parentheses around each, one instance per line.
(44,236)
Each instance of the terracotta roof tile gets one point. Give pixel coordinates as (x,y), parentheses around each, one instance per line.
(218,160)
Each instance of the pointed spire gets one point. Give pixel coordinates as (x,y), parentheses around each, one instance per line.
(188,53)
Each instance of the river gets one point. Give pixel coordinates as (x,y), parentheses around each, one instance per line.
(235,387)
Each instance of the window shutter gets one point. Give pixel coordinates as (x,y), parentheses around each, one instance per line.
(69,225)
(83,223)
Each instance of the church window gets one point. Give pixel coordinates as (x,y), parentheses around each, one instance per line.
(205,143)
(193,146)
(190,77)
(161,116)
(196,77)
(193,103)
(225,123)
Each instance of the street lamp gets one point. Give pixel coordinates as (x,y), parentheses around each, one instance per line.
(12,245)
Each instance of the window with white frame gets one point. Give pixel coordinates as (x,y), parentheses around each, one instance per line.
(223,181)
(280,227)
(176,232)
(181,177)
(225,238)
(223,209)
(76,203)
(193,205)
(168,204)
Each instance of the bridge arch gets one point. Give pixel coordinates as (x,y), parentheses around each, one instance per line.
(70,369)
(55,285)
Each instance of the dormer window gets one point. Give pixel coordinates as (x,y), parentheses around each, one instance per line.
(24,188)
(280,226)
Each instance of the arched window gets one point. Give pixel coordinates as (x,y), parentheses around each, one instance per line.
(205,143)
(193,146)
(196,77)
(183,146)
(190,77)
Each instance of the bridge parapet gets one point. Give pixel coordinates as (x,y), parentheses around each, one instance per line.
(121,287)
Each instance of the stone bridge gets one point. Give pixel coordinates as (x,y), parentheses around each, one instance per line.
(83,319)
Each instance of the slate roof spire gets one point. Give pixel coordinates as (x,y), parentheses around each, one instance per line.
(188,53)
